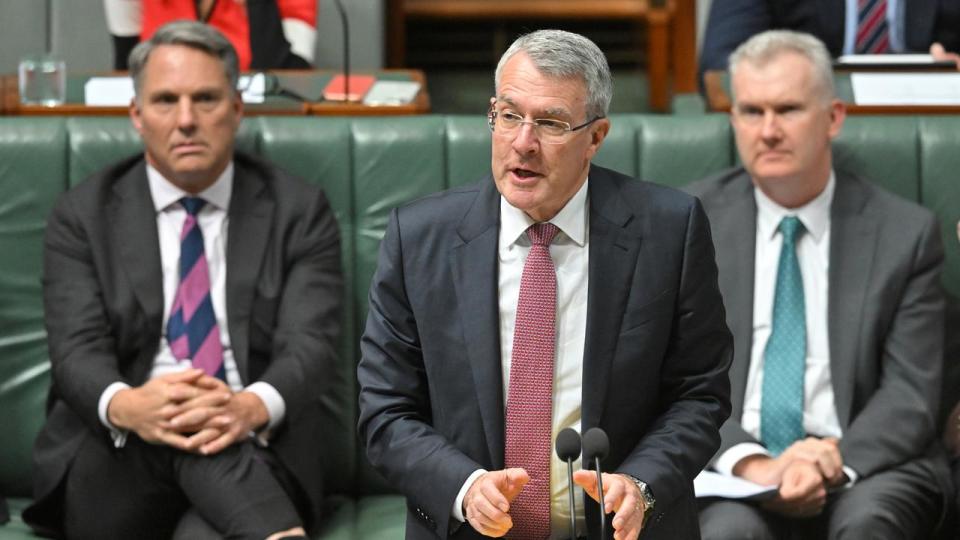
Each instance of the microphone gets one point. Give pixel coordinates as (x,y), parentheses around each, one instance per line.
(568,449)
(346,48)
(596,446)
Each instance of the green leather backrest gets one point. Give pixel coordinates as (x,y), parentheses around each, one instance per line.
(367,166)
(33,171)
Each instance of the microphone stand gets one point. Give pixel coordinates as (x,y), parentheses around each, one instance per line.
(346,49)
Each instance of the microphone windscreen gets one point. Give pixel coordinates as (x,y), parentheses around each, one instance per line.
(596,445)
(568,444)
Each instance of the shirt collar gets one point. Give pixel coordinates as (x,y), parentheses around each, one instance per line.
(165,194)
(815,215)
(571,220)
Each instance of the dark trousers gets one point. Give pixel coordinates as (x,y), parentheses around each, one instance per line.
(899,504)
(143,490)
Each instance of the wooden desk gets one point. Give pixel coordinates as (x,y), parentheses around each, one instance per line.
(304,83)
(657,15)
(717,86)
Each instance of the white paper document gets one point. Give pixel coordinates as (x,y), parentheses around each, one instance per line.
(906,88)
(108,91)
(118,91)
(887,59)
(391,93)
(712,484)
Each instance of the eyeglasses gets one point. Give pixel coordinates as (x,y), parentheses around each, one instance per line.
(548,130)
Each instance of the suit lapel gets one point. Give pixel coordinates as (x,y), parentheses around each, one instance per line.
(474,267)
(250,214)
(734,227)
(134,230)
(614,249)
(852,251)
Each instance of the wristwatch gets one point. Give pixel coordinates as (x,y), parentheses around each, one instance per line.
(649,501)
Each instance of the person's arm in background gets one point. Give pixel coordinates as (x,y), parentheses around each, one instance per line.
(730,23)
(299,20)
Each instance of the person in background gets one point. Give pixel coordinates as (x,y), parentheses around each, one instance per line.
(834,298)
(267,34)
(844,26)
(192,300)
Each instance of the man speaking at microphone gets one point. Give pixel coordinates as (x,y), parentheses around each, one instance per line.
(553,294)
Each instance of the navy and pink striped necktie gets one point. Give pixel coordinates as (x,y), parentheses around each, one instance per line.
(873,32)
(192,330)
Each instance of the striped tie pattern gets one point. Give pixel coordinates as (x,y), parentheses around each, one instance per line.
(530,395)
(873,33)
(784,359)
(192,330)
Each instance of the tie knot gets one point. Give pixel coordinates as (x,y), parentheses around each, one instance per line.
(790,227)
(541,234)
(192,204)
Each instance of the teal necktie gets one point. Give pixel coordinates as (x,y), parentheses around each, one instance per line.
(784,360)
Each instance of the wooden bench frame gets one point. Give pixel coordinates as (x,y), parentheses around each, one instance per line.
(670,29)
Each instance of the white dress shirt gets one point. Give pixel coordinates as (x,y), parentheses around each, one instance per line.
(813,252)
(570,254)
(213,222)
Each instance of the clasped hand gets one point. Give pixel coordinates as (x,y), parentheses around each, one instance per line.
(487,502)
(804,472)
(188,410)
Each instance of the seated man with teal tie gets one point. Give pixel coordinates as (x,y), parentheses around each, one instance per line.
(192,298)
(832,288)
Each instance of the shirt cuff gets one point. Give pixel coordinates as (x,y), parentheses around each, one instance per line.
(119,436)
(729,459)
(457,510)
(272,400)
(852,476)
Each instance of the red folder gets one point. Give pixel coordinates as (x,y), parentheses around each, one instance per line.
(359,85)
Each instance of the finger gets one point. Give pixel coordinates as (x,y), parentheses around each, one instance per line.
(173,439)
(629,514)
(516,479)
(614,493)
(193,419)
(211,383)
(588,481)
(491,510)
(202,437)
(206,399)
(490,492)
(225,439)
(486,524)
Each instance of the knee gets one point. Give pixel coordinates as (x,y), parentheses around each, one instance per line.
(726,520)
(867,522)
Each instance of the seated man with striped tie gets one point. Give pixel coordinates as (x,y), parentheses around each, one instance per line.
(192,298)
(832,287)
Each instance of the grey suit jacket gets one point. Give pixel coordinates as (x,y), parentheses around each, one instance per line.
(655,360)
(103,301)
(885,311)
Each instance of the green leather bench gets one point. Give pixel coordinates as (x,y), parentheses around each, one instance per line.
(368,166)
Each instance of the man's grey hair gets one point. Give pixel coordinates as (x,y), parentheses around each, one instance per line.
(193,34)
(560,54)
(766,46)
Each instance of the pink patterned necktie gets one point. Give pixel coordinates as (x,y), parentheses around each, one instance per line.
(530,395)
(192,330)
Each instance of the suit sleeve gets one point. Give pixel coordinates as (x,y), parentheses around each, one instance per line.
(308,316)
(695,389)
(911,358)
(730,23)
(81,343)
(395,409)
